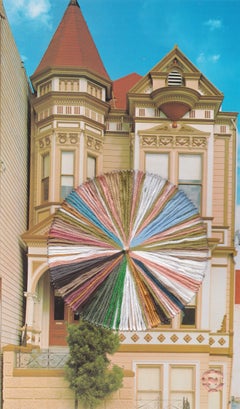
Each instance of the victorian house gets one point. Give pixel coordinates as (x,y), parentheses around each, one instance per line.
(167,122)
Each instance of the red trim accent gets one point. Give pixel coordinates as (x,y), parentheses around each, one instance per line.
(237,287)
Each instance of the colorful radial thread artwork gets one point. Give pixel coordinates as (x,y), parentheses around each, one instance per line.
(127,250)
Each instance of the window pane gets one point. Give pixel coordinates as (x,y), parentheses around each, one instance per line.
(149,400)
(190,168)
(91,167)
(181,378)
(193,192)
(46,166)
(76,316)
(182,400)
(149,378)
(45,189)
(58,308)
(66,185)
(189,316)
(67,163)
(157,163)
(149,387)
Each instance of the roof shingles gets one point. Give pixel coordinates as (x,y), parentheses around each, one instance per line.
(72,45)
(121,87)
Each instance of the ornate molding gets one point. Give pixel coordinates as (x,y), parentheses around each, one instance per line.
(175,98)
(94,143)
(62,137)
(68,138)
(44,142)
(158,141)
(179,338)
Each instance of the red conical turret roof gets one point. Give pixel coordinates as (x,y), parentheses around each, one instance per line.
(72,45)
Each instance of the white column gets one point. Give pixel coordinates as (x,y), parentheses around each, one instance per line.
(30,333)
(136,150)
(81,156)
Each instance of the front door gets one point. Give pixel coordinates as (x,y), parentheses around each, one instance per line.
(60,317)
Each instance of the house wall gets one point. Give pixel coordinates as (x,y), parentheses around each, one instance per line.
(13,186)
(13,183)
(223,177)
(38,388)
(116,153)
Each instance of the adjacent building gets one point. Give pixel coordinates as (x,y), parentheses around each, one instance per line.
(170,122)
(14,97)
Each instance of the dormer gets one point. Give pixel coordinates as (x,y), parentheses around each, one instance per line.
(176,87)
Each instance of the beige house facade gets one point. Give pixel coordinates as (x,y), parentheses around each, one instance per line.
(169,122)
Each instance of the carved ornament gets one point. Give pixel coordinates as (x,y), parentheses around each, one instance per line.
(94,144)
(44,142)
(65,137)
(157,141)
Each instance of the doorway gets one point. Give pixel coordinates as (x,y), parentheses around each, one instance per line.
(60,317)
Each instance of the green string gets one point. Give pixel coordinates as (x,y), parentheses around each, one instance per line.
(116,298)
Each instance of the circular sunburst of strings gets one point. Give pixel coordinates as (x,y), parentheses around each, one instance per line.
(127,250)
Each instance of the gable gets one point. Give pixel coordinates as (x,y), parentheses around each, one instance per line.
(175,61)
(39,232)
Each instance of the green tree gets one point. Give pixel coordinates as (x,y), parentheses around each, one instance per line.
(88,368)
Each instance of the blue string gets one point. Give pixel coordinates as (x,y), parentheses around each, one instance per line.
(76,201)
(177,210)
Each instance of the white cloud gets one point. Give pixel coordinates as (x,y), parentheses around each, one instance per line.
(213,24)
(36,9)
(214,57)
(204,58)
(29,10)
(201,58)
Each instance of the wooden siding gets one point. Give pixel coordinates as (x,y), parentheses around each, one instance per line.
(223,184)
(116,153)
(13,183)
(218,181)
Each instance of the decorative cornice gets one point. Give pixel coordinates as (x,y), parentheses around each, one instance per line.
(170,340)
(168,141)
(165,348)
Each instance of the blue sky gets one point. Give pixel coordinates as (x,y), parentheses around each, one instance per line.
(133,35)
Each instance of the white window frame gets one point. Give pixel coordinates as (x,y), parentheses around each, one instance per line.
(166,364)
(68,175)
